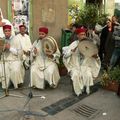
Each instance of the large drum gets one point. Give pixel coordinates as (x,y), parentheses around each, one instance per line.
(87,48)
(49,45)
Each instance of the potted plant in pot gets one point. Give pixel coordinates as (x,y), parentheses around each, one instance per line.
(111,79)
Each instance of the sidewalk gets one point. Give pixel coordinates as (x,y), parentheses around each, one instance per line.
(60,104)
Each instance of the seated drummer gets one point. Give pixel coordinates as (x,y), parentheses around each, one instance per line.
(44,66)
(82,69)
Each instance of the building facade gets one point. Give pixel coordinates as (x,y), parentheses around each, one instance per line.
(51,14)
(47,13)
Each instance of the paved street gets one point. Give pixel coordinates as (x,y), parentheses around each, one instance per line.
(59,104)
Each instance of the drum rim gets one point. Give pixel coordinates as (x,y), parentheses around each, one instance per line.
(52,40)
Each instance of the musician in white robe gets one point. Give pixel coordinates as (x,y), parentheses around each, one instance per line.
(10,60)
(24,44)
(83,70)
(44,67)
(5,22)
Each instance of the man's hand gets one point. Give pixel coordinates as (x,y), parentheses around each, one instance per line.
(49,53)
(7,46)
(27,53)
(35,50)
(95,56)
(73,50)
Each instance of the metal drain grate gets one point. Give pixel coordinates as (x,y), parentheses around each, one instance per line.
(67,102)
(86,111)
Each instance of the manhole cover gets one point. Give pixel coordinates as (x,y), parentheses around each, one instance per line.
(86,111)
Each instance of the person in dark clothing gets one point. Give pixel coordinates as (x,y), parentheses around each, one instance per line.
(73,35)
(106,44)
(116,53)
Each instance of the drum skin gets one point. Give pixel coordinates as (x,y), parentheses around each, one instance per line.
(87,48)
(49,44)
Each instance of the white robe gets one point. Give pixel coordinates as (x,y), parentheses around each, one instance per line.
(82,70)
(44,68)
(24,44)
(14,70)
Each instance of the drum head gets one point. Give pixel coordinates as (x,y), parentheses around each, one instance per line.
(87,48)
(49,45)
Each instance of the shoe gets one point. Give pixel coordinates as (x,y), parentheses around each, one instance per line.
(53,86)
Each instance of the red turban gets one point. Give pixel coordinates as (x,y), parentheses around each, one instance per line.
(7,27)
(81,29)
(22,26)
(43,29)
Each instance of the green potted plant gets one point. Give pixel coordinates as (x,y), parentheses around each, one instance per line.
(111,79)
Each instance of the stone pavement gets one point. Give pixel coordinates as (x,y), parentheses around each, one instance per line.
(59,104)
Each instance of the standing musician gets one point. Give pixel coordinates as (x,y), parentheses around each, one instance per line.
(44,67)
(82,69)
(24,44)
(13,65)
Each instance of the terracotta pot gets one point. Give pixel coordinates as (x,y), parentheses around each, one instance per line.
(112,86)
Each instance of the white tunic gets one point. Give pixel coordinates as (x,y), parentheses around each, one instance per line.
(44,68)
(82,69)
(10,61)
(24,44)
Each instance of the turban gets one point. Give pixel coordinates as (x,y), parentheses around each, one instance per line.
(7,27)
(43,29)
(22,26)
(81,29)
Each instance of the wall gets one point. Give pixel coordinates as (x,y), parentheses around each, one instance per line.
(47,13)
(3,6)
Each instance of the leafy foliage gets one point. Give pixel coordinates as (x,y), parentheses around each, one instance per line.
(111,75)
(89,15)
(115,74)
(105,78)
(73,11)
